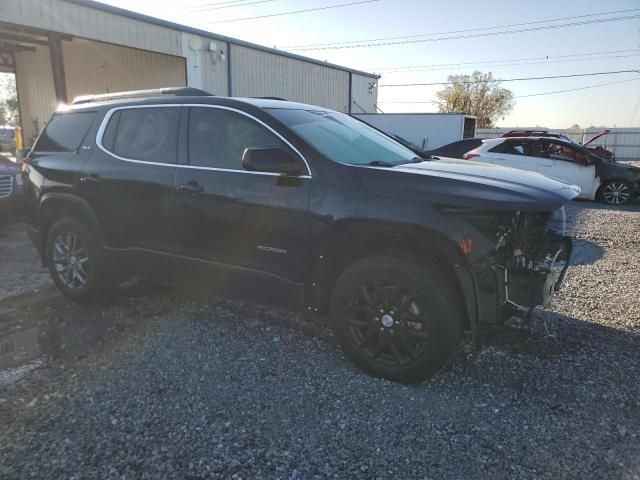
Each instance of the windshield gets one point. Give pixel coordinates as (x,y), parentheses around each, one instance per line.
(343,139)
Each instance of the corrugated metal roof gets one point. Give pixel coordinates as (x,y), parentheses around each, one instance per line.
(196,31)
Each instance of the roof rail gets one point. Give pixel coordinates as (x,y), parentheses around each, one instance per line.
(156,92)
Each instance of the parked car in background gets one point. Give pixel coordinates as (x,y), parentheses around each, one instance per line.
(598,178)
(598,150)
(279,200)
(456,149)
(8,140)
(11,190)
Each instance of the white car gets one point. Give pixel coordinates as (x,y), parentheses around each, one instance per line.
(598,178)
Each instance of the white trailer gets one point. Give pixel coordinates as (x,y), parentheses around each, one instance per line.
(426,130)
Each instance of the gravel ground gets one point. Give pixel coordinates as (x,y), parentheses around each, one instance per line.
(190,387)
(19,271)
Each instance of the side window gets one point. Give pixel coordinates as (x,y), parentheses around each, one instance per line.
(515,147)
(561,151)
(218,137)
(65,132)
(149,134)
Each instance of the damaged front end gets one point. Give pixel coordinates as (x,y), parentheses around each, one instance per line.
(531,259)
(523,262)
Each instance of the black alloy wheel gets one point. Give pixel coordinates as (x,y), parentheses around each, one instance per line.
(396,319)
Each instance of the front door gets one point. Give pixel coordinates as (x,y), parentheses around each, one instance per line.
(569,164)
(516,153)
(243,224)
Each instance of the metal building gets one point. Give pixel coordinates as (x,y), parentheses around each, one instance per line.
(60,49)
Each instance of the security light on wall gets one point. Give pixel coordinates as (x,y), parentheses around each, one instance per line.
(195,44)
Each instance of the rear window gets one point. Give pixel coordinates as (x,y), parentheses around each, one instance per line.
(65,132)
(515,147)
(148,134)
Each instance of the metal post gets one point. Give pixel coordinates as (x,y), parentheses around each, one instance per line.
(57,68)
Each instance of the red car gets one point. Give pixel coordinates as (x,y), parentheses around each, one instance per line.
(600,151)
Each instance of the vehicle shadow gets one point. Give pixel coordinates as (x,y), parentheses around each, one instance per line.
(585,252)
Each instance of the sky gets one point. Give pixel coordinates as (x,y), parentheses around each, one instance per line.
(570,50)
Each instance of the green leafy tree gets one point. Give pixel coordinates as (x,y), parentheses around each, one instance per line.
(8,100)
(478,94)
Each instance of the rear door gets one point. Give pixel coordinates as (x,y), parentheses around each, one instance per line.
(565,162)
(227,217)
(515,153)
(128,179)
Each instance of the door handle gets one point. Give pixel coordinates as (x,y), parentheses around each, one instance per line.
(91,178)
(190,187)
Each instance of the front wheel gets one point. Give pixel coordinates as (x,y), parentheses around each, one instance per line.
(395,319)
(74,260)
(615,192)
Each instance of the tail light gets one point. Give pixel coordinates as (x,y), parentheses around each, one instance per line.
(469,156)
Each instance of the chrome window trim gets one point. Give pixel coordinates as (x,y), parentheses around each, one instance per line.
(109,114)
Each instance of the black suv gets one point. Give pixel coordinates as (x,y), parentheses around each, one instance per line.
(281,201)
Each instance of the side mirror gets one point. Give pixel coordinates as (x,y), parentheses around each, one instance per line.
(272,160)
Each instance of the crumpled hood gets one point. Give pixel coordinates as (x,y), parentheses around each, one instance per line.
(469,184)
(595,137)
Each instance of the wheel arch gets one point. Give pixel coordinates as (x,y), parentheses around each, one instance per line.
(54,206)
(353,240)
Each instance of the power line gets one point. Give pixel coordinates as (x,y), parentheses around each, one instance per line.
(545,59)
(577,88)
(214,4)
(589,74)
(518,64)
(475,35)
(210,8)
(524,96)
(293,47)
(294,12)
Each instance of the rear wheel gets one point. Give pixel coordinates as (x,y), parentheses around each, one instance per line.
(395,319)
(615,192)
(74,260)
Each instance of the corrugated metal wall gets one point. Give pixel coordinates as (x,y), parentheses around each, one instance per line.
(95,67)
(81,21)
(261,74)
(90,67)
(35,90)
(623,142)
(363,95)
(98,60)
(206,69)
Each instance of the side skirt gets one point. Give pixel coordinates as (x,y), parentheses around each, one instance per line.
(218,278)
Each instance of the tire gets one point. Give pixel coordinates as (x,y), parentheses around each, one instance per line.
(615,192)
(75,261)
(396,319)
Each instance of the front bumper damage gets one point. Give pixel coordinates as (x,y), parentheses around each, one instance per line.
(535,285)
(523,272)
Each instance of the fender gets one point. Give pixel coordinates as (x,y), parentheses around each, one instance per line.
(54,205)
(349,240)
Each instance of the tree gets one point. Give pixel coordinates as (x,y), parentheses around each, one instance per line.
(478,94)
(8,100)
